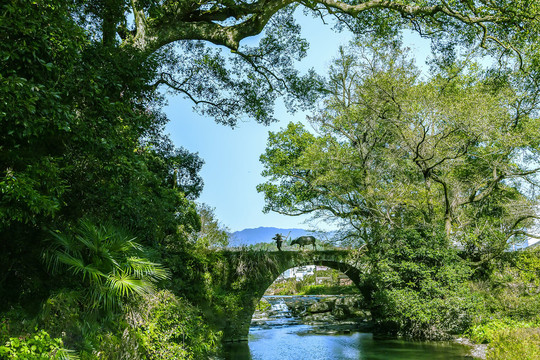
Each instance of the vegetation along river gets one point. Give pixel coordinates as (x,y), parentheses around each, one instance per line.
(282,334)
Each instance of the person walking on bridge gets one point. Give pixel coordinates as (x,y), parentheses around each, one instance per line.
(279,241)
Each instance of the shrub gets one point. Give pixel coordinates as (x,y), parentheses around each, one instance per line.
(35,346)
(116,345)
(286,287)
(263,305)
(169,327)
(411,314)
(420,287)
(61,316)
(107,261)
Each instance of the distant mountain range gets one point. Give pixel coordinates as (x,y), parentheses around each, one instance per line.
(263,235)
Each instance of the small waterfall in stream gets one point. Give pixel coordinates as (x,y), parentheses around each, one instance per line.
(278,314)
(279,309)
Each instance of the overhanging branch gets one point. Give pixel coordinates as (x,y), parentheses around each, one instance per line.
(250,19)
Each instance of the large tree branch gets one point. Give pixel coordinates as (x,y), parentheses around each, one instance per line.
(406,9)
(478,194)
(167,79)
(525,173)
(523,218)
(524,233)
(203,25)
(206,24)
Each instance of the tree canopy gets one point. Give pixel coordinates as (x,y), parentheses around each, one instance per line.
(82,80)
(193,33)
(458,151)
(81,111)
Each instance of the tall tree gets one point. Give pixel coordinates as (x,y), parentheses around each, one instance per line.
(212,233)
(392,151)
(81,135)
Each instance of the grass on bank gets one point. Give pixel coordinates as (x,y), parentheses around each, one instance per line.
(508,339)
(512,344)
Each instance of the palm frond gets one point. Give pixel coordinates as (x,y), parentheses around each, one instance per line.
(51,261)
(94,275)
(90,243)
(129,245)
(61,240)
(75,264)
(143,268)
(134,245)
(123,284)
(103,298)
(66,354)
(108,260)
(59,243)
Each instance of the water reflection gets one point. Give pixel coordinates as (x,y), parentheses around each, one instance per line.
(283,337)
(237,351)
(292,342)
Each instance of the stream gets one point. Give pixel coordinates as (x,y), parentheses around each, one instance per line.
(284,337)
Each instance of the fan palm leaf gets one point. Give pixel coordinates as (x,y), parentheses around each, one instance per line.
(77,266)
(142,267)
(110,264)
(123,284)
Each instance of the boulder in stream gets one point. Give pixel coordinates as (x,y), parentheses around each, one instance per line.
(321,307)
(341,313)
(318,318)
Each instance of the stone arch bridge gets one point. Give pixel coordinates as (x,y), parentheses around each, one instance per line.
(250,273)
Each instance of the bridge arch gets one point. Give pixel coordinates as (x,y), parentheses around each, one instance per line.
(275,263)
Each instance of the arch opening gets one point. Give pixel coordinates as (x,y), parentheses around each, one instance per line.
(312,280)
(318,295)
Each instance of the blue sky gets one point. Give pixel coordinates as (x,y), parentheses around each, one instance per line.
(232,168)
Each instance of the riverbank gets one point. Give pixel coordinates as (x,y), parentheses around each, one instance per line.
(478,351)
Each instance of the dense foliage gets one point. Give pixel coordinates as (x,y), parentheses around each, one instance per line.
(96,202)
(38,346)
(248,82)
(308,286)
(433,177)
(517,344)
(420,287)
(172,328)
(83,139)
(393,151)
(82,149)
(109,265)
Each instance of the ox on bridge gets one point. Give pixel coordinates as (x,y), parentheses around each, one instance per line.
(251,273)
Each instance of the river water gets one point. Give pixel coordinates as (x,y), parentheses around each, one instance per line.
(283,338)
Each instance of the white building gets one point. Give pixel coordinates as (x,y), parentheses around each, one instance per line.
(301,271)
